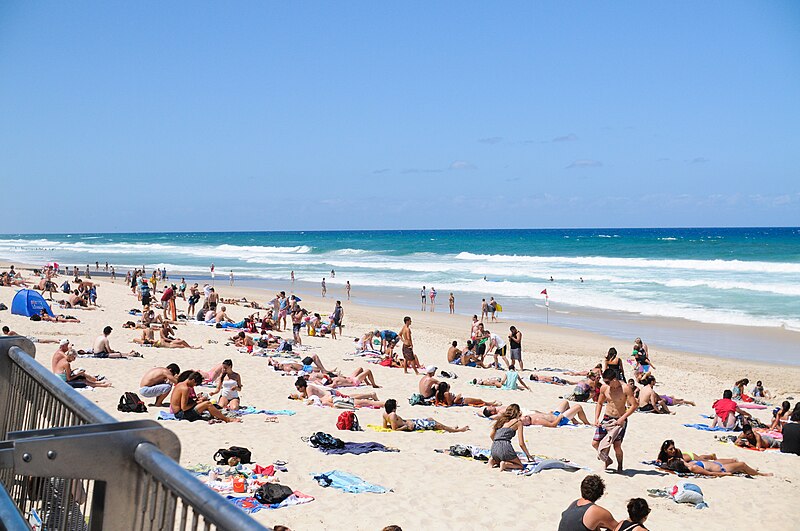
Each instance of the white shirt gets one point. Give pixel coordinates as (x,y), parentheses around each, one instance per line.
(498,341)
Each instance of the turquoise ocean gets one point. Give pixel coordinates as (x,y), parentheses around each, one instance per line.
(748,277)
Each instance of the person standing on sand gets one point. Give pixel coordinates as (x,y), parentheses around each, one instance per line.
(231,275)
(292,276)
(324,288)
(620,404)
(515,344)
(337,317)
(408,347)
(347,289)
(484,309)
(433,299)
(452,304)
(422,295)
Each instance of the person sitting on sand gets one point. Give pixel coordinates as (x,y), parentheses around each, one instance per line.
(392,420)
(668,451)
(583,513)
(586,389)
(508,424)
(168,340)
(649,401)
(555,380)
(781,416)
(469,358)
(454,354)
(222,317)
(712,468)
(638,511)
(751,439)
(186,407)
(147,337)
(725,411)
(228,389)
(428,384)
(102,348)
(305,391)
(158,381)
(509,381)
(759,391)
(76,379)
(738,390)
(445,398)
(791,434)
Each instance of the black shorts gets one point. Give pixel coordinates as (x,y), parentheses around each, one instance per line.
(190,414)
(146,300)
(296,328)
(100,355)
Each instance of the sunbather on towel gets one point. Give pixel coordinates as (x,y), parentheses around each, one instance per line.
(306,391)
(510,380)
(392,420)
(445,398)
(306,366)
(168,340)
(751,439)
(184,407)
(668,451)
(561,415)
(356,379)
(712,468)
(551,379)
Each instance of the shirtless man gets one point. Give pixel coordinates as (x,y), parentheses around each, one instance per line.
(147,337)
(427,385)
(157,383)
(167,340)
(454,353)
(76,379)
(186,408)
(408,347)
(392,420)
(620,404)
(221,316)
(60,354)
(561,416)
(306,390)
(212,299)
(243,340)
(102,348)
(649,401)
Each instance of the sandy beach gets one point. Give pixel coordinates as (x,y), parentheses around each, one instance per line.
(431,490)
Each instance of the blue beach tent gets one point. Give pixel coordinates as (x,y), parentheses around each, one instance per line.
(28,302)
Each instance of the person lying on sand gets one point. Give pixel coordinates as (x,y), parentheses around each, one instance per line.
(510,380)
(243,340)
(712,468)
(61,318)
(306,391)
(392,420)
(185,407)
(668,451)
(157,383)
(550,379)
(562,415)
(751,439)
(168,340)
(445,398)
(306,366)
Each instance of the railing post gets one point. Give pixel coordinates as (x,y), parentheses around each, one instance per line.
(6,343)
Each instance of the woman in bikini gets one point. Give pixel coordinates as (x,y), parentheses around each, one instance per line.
(712,468)
(669,451)
(781,416)
(445,398)
(228,389)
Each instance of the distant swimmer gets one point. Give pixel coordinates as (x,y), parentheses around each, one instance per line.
(333,273)
(581,280)
(551,279)
(292,276)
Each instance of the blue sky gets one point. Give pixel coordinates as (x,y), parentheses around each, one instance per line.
(134,116)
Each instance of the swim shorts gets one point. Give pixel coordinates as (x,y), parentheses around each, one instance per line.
(516,354)
(152,391)
(100,355)
(600,432)
(191,415)
(296,328)
(645,408)
(408,352)
(562,420)
(424,424)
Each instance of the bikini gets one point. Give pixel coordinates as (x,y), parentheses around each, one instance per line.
(700,464)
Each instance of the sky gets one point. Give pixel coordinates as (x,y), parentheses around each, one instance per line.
(199,116)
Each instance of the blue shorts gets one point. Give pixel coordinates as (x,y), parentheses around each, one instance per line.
(562,421)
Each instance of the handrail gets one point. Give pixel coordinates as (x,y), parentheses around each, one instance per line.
(10,517)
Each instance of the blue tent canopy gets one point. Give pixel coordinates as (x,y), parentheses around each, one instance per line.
(28,302)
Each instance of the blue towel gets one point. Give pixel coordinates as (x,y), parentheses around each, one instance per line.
(356,448)
(346,482)
(166,415)
(250,410)
(706,427)
(547,464)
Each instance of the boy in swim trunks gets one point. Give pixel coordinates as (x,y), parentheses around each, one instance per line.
(392,420)
(620,404)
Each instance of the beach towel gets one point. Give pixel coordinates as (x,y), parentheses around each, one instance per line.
(347,482)
(706,427)
(612,432)
(357,448)
(378,427)
(250,505)
(250,410)
(538,464)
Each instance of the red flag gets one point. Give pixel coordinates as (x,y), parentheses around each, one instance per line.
(544,292)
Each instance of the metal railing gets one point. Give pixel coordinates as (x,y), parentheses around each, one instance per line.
(70,465)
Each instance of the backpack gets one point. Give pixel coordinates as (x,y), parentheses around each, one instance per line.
(131,403)
(418,400)
(222,455)
(323,440)
(460,450)
(271,493)
(348,421)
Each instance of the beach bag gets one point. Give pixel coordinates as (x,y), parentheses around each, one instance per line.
(222,455)
(344,402)
(324,440)
(417,400)
(459,450)
(685,492)
(131,403)
(3,306)
(285,346)
(272,493)
(348,421)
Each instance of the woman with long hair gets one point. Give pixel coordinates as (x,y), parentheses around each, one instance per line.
(669,451)
(445,398)
(229,390)
(503,430)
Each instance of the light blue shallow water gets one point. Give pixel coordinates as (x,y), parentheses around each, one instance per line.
(740,276)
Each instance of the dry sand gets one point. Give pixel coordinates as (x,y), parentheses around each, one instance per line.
(431,490)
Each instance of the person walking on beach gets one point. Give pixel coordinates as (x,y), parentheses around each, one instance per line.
(113,274)
(493,308)
(452,304)
(433,299)
(620,404)
(347,289)
(324,288)
(337,316)
(231,276)
(422,295)
(408,347)
(484,309)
